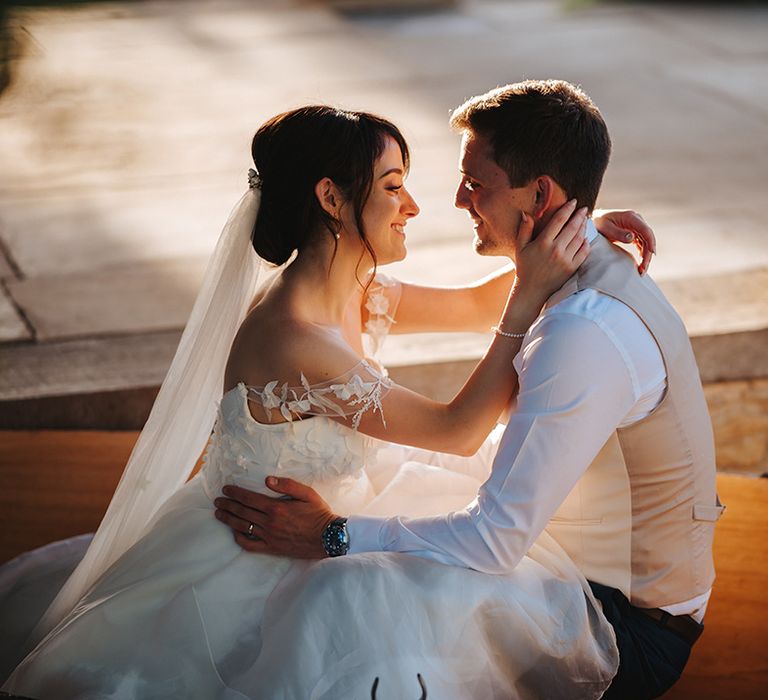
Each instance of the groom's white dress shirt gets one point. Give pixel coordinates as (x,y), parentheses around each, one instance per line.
(587,366)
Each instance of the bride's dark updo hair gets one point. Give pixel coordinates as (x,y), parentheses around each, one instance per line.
(293,151)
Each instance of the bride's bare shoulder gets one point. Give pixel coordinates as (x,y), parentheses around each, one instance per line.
(273,345)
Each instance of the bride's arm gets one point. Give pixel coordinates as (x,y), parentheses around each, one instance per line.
(474,307)
(461,425)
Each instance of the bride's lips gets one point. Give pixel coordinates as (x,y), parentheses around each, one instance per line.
(399,228)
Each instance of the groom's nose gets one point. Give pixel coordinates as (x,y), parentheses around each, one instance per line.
(461,198)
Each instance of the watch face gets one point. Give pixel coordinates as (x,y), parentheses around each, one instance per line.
(335,538)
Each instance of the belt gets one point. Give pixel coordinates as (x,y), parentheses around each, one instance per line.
(683,626)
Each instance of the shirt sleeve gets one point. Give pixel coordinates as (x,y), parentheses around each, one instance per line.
(575,389)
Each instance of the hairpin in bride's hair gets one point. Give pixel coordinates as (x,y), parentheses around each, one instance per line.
(254,179)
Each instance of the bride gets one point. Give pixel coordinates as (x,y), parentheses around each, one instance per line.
(165,604)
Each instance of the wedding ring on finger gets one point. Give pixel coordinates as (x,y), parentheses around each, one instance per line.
(249,532)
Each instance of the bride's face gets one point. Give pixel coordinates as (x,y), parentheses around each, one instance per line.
(389,206)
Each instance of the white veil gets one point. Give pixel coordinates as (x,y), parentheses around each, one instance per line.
(183,414)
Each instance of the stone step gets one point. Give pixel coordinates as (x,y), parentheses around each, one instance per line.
(109,381)
(12,326)
(133,299)
(389,6)
(157,294)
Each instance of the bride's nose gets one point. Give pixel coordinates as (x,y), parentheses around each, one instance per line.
(410,208)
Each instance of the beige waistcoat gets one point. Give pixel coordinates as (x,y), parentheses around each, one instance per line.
(641,518)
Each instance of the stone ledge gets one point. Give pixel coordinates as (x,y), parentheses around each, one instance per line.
(130,299)
(32,372)
(391,5)
(739,412)
(53,384)
(110,382)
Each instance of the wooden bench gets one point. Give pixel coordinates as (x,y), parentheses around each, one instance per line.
(729,660)
(54,484)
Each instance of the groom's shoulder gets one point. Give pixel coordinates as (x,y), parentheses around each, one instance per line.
(568,327)
(589,314)
(588,304)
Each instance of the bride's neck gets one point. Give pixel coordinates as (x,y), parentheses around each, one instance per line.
(321,284)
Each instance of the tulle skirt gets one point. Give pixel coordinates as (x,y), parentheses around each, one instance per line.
(185,613)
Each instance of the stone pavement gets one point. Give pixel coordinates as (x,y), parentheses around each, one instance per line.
(124,141)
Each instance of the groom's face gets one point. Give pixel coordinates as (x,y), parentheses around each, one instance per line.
(484,191)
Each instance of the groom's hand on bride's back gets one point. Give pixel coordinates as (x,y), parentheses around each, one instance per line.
(290,527)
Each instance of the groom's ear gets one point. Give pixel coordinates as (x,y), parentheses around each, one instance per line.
(544,193)
(328,196)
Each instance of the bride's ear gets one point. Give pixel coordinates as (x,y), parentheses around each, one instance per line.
(329,196)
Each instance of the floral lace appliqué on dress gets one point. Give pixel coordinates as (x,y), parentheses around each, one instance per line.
(338,397)
(381,303)
(307,445)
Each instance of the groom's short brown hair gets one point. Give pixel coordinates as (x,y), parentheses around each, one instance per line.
(542,127)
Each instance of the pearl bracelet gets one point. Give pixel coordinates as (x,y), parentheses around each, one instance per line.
(498,331)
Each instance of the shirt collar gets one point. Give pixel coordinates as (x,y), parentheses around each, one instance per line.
(591,231)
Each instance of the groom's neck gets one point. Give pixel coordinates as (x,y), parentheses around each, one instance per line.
(543,219)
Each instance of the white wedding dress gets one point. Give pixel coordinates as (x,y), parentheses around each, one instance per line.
(186,613)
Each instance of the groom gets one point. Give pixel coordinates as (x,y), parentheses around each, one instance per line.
(610,447)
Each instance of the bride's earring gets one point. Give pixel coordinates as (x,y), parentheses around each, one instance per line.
(337,235)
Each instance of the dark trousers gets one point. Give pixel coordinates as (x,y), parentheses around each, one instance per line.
(651,657)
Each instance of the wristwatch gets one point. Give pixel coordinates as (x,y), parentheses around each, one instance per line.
(335,538)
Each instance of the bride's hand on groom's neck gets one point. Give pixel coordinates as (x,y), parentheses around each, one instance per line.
(545,262)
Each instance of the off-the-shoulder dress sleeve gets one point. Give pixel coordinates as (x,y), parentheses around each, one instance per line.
(351,394)
(380,302)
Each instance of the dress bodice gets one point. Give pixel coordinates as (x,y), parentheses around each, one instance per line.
(312,449)
(309,446)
